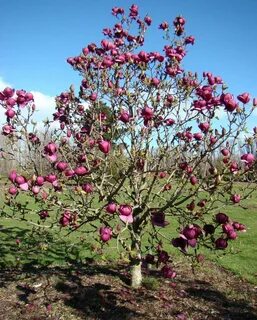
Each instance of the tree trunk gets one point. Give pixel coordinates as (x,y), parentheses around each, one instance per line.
(136,262)
(136,275)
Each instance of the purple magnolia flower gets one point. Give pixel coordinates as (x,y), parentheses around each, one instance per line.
(164,25)
(10,113)
(221,218)
(227,227)
(148,20)
(65,219)
(221,243)
(248,158)
(105,233)
(180,242)
(50,151)
(204,126)
(191,232)
(147,113)
(228,100)
(188,237)
(87,187)
(43,214)
(104,146)
(51,178)
(61,166)
(126,213)
(158,219)
(12,190)
(12,175)
(236,198)
(111,207)
(163,256)
(40,181)
(190,40)
(244,97)
(149,259)
(22,183)
(232,235)
(168,272)
(81,171)
(239,226)
(208,229)
(124,116)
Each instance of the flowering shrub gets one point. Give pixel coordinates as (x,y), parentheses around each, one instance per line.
(135,149)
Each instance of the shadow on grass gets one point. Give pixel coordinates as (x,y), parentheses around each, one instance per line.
(99,292)
(25,248)
(94,299)
(104,300)
(227,308)
(97,301)
(96,291)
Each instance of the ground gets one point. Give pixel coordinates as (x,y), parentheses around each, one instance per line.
(98,291)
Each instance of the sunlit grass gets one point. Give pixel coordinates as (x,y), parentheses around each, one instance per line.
(22,243)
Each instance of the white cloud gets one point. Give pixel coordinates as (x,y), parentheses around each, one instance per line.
(44,105)
(3,84)
(40,126)
(220,113)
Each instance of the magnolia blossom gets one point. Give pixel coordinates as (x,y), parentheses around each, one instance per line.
(221,218)
(248,158)
(125,213)
(81,171)
(104,146)
(66,218)
(168,272)
(158,219)
(221,243)
(13,190)
(87,187)
(43,214)
(111,208)
(236,198)
(105,233)
(244,97)
(50,151)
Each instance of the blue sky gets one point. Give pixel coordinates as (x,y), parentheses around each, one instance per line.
(37,36)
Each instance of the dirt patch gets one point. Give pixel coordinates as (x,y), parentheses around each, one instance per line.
(102,292)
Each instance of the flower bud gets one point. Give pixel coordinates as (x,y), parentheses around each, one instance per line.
(104,146)
(105,233)
(111,208)
(236,198)
(87,187)
(221,243)
(81,171)
(13,190)
(221,218)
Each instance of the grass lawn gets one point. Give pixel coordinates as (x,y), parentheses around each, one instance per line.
(48,248)
(244,261)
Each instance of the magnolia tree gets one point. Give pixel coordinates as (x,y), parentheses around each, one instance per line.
(135,151)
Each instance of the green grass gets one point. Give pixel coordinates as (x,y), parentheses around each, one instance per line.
(241,255)
(54,247)
(244,261)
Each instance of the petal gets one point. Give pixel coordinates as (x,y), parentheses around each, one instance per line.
(24,186)
(55,183)
(52,158)
(126,219)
